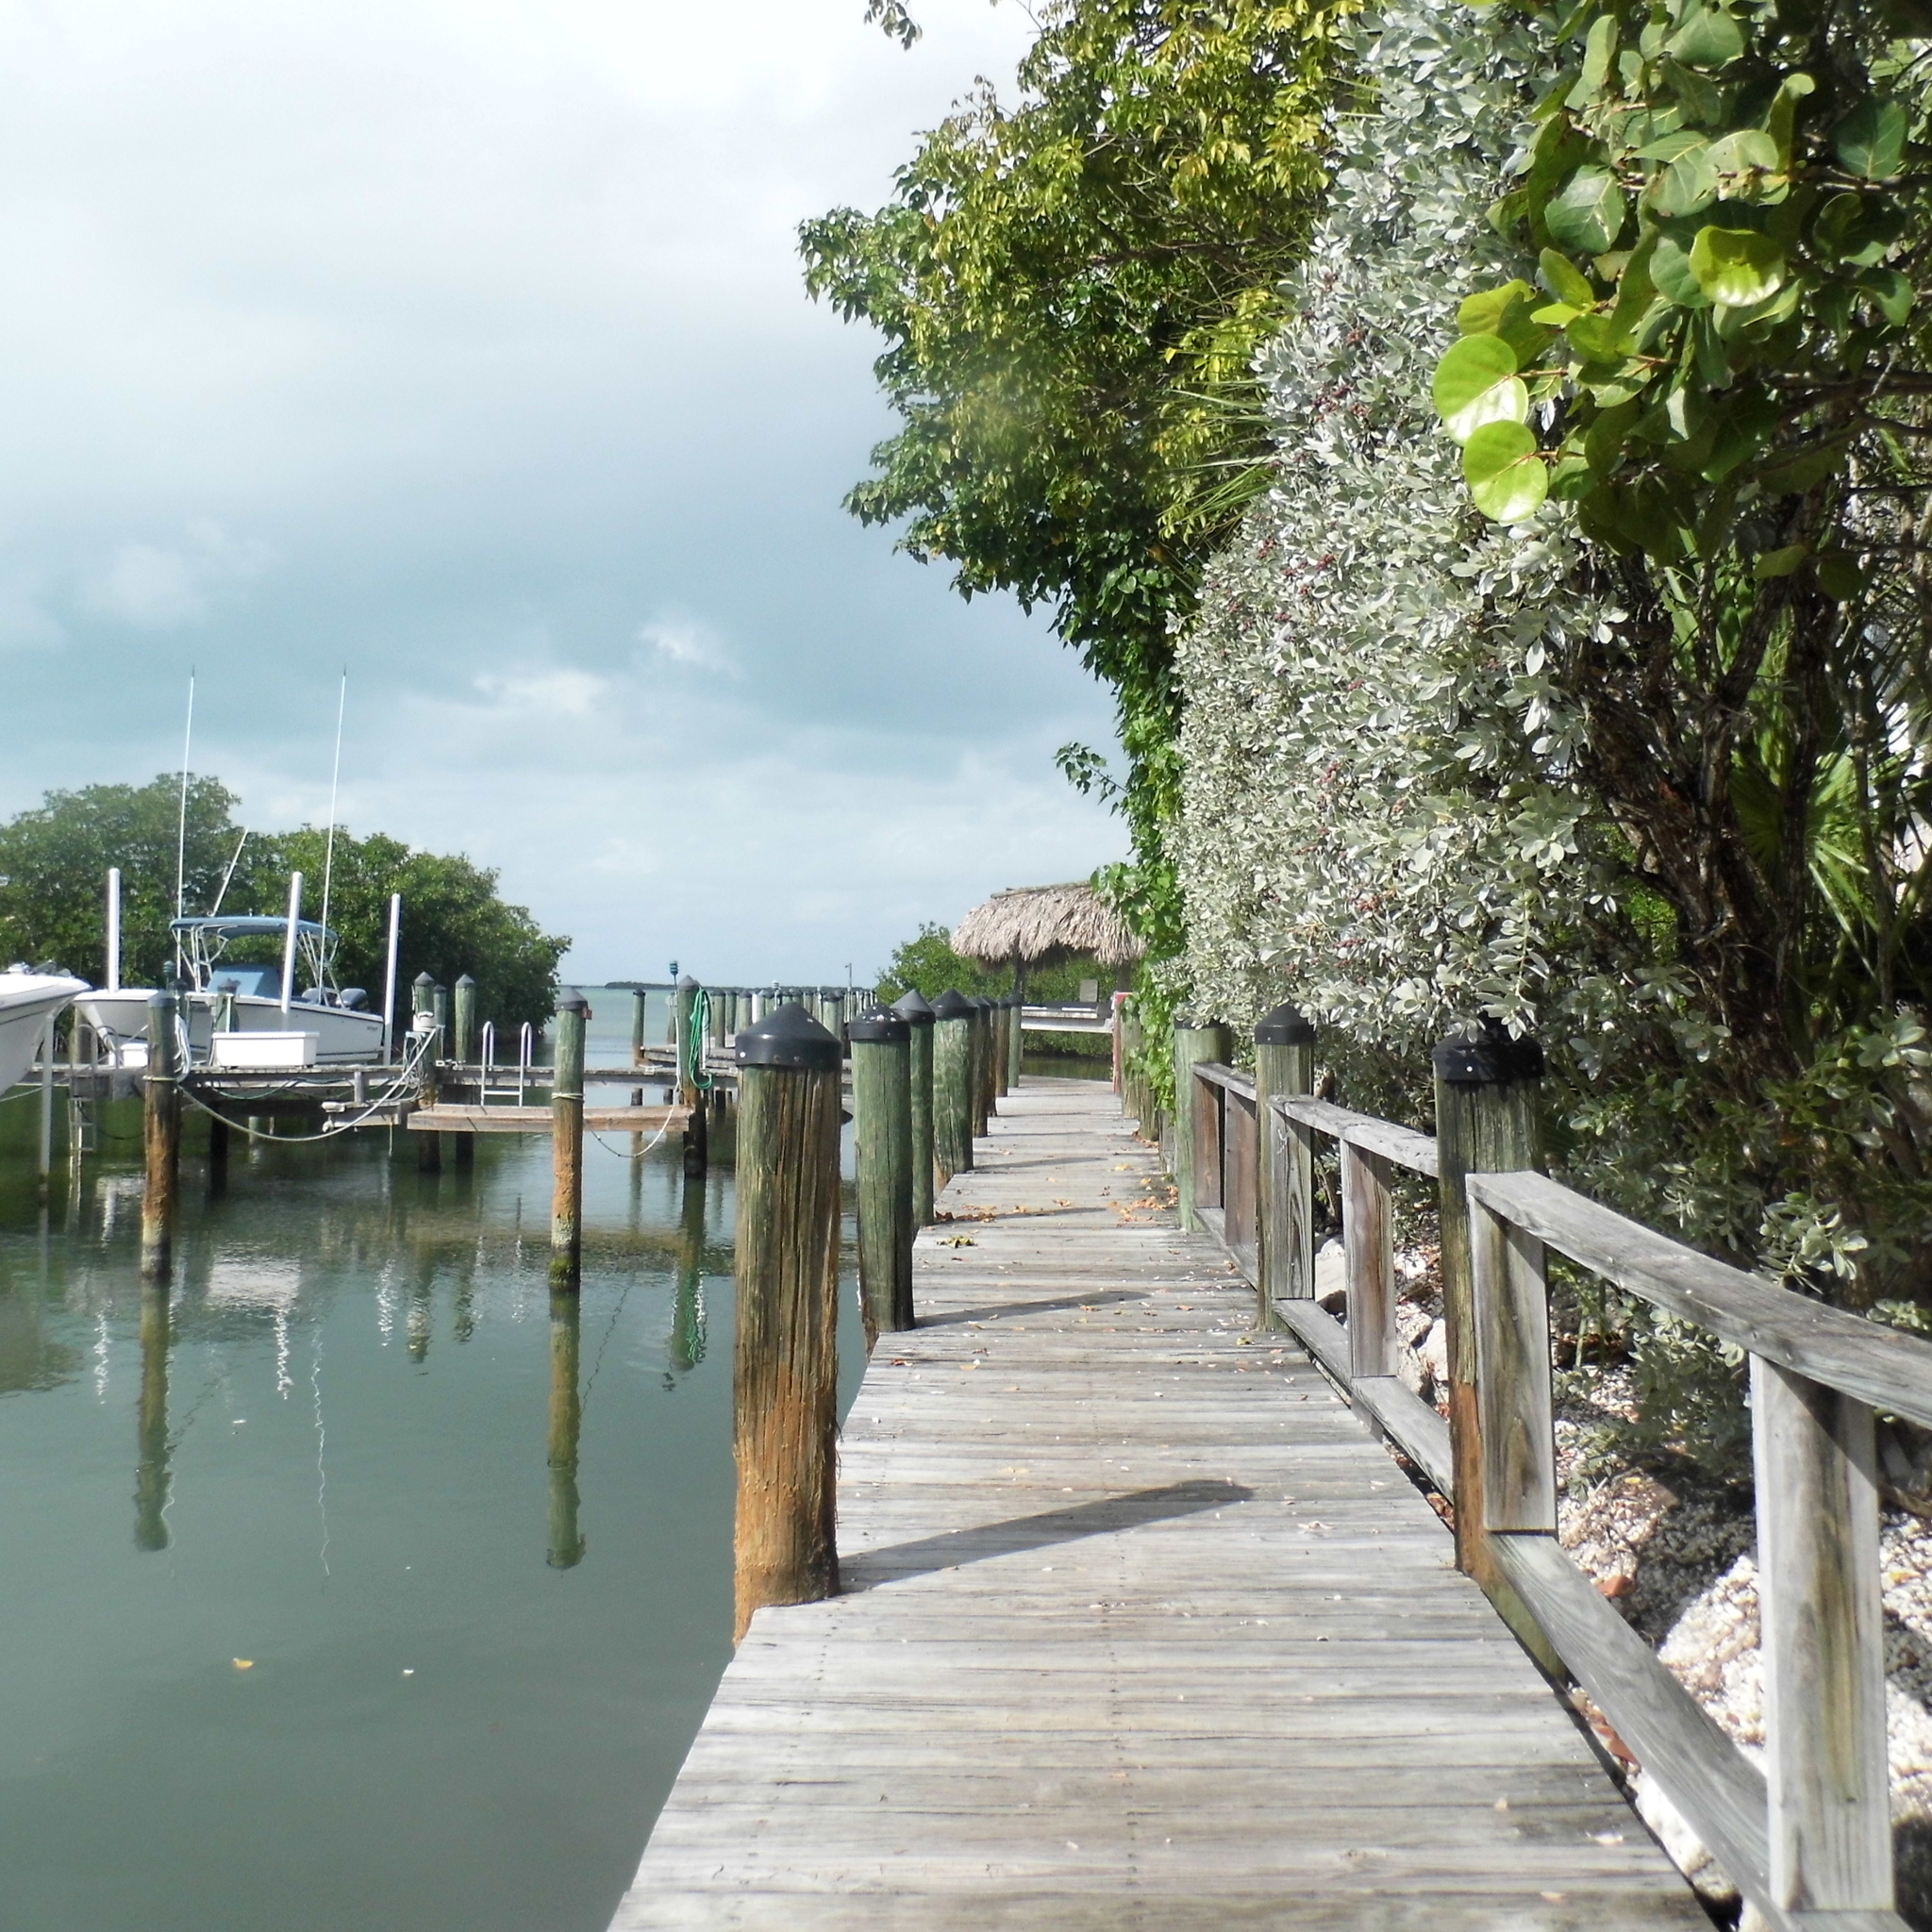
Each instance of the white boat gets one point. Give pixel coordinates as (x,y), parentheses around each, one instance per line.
(27,1000)
(222,998)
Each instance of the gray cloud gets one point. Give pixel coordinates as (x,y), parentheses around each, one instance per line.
(467,346)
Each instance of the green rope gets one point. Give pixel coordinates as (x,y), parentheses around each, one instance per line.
(697,1036)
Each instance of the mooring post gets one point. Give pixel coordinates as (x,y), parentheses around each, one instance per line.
(161,1138)
(567,1144)
(951,1089)
(440,1006)
(217,1156)
(1002,1017)
(45,1170)
(1192,1045)
(422,1004)
(638,997)
(689,1047)
(981,1089)
(912,1009)
(1487,1121)
(465,1020)
(785,1372)
(1016,1041)
(882,1151)
(1284,1225)
(566,1541)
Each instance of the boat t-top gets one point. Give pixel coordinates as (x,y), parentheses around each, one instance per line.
(290,1015)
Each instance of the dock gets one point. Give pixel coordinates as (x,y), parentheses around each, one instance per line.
(1139,1627)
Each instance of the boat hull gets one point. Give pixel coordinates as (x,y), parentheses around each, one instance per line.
(26,1001)
(344,1037)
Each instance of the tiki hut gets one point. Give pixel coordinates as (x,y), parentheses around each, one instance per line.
(1045,925)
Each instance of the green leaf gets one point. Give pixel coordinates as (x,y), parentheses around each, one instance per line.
(1740,157)
(1670,268)
(1891,291)
(1780,122)
(1476,383)
(1506,474)
(1709,36)
(1838,575)
(1871,140)
(1588,212)
(1780,563)
(1597,339)
(1565,280)
(1598,49)
(1687,186)
(1701,100)
(1507,313)
(1737,266)
(1793,475)
(1667,147)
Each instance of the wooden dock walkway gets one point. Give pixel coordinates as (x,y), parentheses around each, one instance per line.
(1140,1628)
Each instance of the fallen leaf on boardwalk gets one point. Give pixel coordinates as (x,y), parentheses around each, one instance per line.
(957,1240)
(969,1365)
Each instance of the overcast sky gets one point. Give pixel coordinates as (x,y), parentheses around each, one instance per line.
(465,343)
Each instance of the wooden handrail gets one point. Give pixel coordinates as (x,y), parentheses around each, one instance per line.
(1882,1366)
(1808,1840)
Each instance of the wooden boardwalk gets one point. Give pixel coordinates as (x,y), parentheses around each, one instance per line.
(1140,1628)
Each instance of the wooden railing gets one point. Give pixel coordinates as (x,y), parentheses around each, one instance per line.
(1808,1840)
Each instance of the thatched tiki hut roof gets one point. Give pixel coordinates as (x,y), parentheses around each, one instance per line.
(1042,926)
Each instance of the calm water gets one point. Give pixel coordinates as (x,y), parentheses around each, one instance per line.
(470,1677)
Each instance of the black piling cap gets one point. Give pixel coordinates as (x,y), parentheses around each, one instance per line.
(1283,1026)
(424,979)
(787,1036)
(883,1027)
(914,1008)
(572,1003)
(464,981)
(952,1004)
(1491,1059)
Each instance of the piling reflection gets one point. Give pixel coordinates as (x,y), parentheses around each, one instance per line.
(151,1481)
(687,1317)
(421,1301)
(566,1421)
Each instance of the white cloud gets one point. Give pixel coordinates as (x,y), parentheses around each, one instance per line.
(559,693)
(684,640)
(149,587)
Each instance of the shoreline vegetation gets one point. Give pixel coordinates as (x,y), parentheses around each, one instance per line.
(1484,449)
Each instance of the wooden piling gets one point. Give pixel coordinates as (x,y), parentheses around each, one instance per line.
(566,1543)
(1192,1045)
(440,1006)
(1284,1221)
(1485,1121)
(637,1026)
(785,1377)
(691,1064)
(1016,1040)
(952,1086)
(465,1014)
(981,1089)
(1002,1042)
(917,1014)
(567,1144)
(161,1138)
(422,1002)
(882,1150)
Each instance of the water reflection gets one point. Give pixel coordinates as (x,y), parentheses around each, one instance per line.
(151,1480)
(688,1316)
(566,1423)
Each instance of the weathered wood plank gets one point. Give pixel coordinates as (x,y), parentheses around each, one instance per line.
(1403,1146)
(1881,1366)
(1142,1627)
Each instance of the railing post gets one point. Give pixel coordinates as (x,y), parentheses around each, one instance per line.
(1368,1240)
(567,1144)
(1823,1644)
(1516,1423)
(917,1014)
(1191,1045)
(1284,1067)
(1210,1144)
(952,1085)
(1485,1121)
(882,1154)
(786,1374)
(161,1138)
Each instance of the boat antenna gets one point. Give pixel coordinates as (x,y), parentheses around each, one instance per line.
(181,828)
(228,877)
(329,863)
